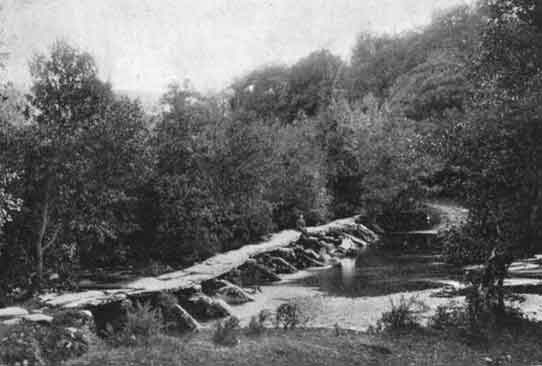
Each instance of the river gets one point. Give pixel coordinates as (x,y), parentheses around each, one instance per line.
(355,294)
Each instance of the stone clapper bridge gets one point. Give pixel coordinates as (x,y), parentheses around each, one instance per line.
(284,252)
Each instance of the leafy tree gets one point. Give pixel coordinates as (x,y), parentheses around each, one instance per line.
(376,155)
(299,181)
(82,159)
(262,94)
(313,81)
(496,143)
(432,88)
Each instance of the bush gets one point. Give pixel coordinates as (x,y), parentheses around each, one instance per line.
(460,247)
(288,316)
(227,332)
(40,345)
(75,319)
(142,323)
(447,316)
(403,316)
(257,322)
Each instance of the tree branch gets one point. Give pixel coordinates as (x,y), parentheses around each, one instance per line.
(53,238)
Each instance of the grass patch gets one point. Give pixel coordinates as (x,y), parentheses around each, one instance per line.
(303,347)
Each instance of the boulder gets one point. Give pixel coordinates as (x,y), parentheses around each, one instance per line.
(359,242)
(280,265)
(12,312)
(213,285)
(312,254)
(307,258)
(347,244)
(288,254)
(204,307)
(310,242)
(364,233)
(182,319)
(312,262)
(255,273)
(332,240)
(234,295)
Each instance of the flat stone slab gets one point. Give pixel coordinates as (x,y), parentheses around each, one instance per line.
(38,318)
(12,312)
(192,276)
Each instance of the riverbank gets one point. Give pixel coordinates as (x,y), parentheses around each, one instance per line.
(304,347)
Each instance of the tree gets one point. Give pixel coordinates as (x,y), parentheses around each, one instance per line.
(262,94)
(313,82)
(374,156)
(82,158)
(432,88)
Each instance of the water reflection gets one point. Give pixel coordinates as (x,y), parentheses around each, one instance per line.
(348,272)
(376,273)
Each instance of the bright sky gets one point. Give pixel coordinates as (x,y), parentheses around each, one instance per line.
(142,45)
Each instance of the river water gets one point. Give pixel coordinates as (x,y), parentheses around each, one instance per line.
(355,294)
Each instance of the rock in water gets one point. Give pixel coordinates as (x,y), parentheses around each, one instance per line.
(183,319)
(280,265)
(234,295)
(205,307)
(349,247)
(357,241)
(255,273)
(366,234)
(347,244)
(211,286)
(310,242)
(312,254)
(288,254)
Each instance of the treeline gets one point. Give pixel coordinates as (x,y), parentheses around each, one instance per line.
(88,179)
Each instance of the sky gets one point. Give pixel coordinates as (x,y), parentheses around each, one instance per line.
(142,45)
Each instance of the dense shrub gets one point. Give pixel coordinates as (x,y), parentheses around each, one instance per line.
(448,316)
(41,345)
(404,315)
(289,316)
(258,322)
(227,332)
(143,322)
(461,247)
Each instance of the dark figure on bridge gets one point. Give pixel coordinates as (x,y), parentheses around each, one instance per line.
(301,225)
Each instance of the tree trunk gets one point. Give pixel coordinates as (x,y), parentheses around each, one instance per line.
(44,223)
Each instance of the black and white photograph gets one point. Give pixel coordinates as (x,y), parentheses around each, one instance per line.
(270,182)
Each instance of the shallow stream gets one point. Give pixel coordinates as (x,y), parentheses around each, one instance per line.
(355,294)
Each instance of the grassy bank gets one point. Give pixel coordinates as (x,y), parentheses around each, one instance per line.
(322,347)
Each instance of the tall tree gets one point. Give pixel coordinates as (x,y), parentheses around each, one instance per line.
(84,155)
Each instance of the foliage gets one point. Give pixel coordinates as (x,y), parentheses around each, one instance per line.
(227,332)
(81,160)
(285,94)
(447,316)
(404,315)
(41,345)
(143,322)
(290,315)
(493,144)
(462,246)
(373,156)
(298,182)
(257,323)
